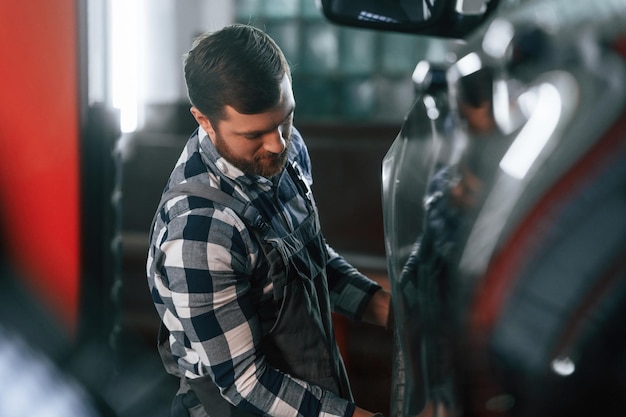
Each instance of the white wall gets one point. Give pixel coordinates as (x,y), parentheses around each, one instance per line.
(170,27)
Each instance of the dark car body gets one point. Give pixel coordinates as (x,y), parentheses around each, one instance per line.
(504,199)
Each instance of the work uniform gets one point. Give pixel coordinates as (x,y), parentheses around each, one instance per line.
(290,364)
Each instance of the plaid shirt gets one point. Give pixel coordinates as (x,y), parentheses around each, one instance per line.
(201,265)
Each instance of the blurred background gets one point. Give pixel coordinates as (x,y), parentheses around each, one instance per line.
(93,116)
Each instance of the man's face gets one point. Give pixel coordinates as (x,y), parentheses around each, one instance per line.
(254,143)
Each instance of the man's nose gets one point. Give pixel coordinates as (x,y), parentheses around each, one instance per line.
(274,141)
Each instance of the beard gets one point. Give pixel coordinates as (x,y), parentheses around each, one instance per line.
(263,163)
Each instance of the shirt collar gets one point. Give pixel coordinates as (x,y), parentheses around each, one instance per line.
(223,166)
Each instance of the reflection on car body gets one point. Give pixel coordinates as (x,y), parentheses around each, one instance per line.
(504,218)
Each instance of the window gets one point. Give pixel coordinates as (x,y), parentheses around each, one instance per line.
(339,74)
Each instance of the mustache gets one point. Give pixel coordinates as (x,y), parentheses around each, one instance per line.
(269,155)
(272,155)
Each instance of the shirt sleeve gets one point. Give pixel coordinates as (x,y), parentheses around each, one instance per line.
(207,258)
(350,291)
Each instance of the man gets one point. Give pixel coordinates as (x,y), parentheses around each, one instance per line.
(238,269)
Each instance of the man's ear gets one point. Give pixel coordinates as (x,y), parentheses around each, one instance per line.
(203,121)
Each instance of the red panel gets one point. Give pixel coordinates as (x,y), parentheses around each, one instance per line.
(39,139)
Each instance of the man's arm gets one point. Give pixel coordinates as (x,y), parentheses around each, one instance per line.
(355,295)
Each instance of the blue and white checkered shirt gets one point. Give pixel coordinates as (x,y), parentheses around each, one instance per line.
(201,265)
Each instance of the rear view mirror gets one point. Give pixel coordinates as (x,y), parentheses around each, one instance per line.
(440,18)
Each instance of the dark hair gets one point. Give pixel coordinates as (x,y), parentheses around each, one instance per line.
(239,66)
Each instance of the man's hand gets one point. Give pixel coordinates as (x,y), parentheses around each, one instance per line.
(359,412)
(377,311)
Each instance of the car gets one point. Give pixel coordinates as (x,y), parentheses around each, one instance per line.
(504,205)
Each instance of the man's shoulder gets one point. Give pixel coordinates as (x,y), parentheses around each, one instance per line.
(189,210)
(300,153)
(297,142)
